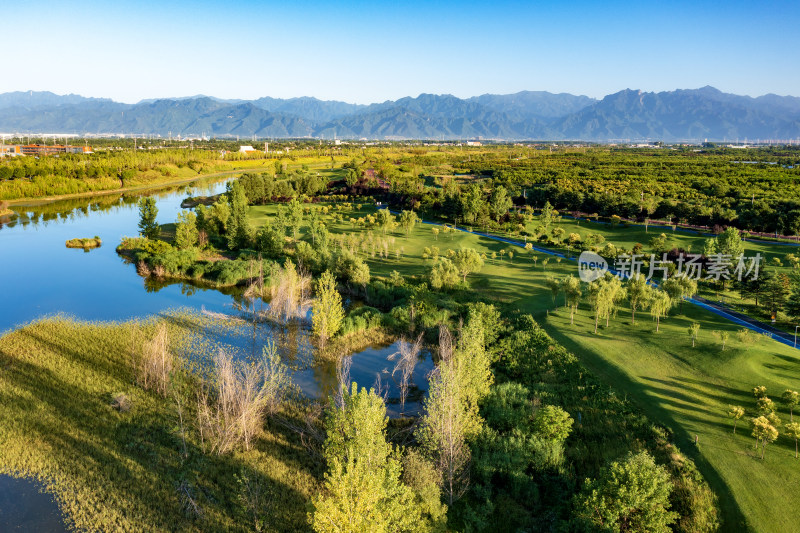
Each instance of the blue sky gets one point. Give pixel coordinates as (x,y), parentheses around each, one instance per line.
(367,52)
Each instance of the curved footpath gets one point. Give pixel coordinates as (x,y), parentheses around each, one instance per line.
(718,309)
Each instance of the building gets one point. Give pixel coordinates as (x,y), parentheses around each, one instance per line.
(246,149)
(53,149)
(10,150)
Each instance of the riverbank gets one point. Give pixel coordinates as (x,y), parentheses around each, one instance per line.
(137,188)
(114,468)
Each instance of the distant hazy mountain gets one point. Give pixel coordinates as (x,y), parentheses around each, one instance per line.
(681,115)
(695,114)
(534,104)
(308,108)
(35,99)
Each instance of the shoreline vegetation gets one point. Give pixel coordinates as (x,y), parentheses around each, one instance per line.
(85,243)
(169,182)
(4,209)
(116,433)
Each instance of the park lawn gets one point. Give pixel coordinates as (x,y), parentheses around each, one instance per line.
(626,235)
(687,389)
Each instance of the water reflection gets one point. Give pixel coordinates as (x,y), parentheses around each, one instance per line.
(315,377)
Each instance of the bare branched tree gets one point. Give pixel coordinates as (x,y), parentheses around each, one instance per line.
(343,380)
(409,355)
(230,409)
(290,293)
(188,501)
(443,428)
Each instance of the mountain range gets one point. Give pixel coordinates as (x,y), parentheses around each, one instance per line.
(680,115)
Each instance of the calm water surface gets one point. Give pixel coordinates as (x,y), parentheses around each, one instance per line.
(42,276)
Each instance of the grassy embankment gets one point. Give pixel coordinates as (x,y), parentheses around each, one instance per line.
(118,470)
(688,389)
(59,187)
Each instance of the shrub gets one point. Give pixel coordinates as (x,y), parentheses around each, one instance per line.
(175,261)
(154,363)
(121,403)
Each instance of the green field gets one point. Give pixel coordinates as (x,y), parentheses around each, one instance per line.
(687,389)
(114,469)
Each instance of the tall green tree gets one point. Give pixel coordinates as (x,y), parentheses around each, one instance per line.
(385,220)
(639,294)
(660,304)
(467,261)
(238,229)
(500,202)
(408,219)
(147,218)
(327,312)
(631,495)
(186,232)
(294,217)
(363,490)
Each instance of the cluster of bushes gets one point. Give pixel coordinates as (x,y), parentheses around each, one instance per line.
(163,260)
(524,480)
(362,319)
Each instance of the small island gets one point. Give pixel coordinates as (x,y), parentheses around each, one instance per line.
(86,244)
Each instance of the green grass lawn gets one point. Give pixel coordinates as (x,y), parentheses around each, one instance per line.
(123,470)
(687,389)
(626,236)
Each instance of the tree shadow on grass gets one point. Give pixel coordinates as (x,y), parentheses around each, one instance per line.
(731,515)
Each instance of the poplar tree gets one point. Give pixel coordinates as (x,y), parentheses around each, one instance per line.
(327,311)
(639,294)
(186,233)
(363,490)
(238,229)
(147,218)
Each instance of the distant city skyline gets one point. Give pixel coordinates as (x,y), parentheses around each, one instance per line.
(367,52)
